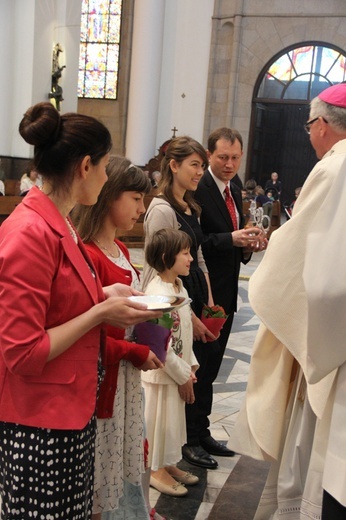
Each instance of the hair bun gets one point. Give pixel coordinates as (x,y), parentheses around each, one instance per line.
(40,124)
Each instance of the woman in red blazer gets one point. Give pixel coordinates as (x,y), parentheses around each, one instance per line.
(52,310)
(119,442)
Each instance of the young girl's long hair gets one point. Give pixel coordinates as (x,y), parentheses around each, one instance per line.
(122,176)
(179,149)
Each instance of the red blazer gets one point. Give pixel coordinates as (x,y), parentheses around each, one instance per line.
(45,281)
(117,347)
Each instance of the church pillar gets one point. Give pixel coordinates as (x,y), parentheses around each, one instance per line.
(16,57)
(145,80)
(28,31)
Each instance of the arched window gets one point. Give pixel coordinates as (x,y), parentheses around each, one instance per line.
(280,108)
(302,73)
(99,49)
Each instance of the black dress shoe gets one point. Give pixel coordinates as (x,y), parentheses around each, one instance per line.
(197,456)
(214,447)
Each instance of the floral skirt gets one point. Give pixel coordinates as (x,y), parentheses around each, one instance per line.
(119,457)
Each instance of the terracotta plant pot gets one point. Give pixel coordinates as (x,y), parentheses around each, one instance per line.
(214,325)
(155,336)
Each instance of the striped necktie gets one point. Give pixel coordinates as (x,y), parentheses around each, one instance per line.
(231,207)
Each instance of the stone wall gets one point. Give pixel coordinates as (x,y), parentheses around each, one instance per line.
(246,35)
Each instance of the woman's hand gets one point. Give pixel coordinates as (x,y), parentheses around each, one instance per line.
(210,294)
(122,312)
(120,289)
(211,300)
(200,331)
(151,363)
(252,239)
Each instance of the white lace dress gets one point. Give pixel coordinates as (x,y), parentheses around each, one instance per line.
(164,408)
(119,464)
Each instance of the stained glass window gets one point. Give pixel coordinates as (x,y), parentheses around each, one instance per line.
(302,73)
(99,49)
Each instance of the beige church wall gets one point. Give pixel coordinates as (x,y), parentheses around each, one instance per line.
(246,36)
(169,70)
(184,71)
(177,86)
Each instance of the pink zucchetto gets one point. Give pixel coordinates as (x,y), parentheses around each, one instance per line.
(335,95)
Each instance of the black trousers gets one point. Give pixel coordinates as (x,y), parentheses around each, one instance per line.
(209,357)
(331,508)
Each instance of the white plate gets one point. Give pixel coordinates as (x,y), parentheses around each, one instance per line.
(161,303)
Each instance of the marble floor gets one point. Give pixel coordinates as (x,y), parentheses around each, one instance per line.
(232,491)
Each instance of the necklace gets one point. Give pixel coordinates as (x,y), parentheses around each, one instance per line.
(72,231)
(104,248)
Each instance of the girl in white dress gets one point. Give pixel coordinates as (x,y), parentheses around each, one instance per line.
(167,391)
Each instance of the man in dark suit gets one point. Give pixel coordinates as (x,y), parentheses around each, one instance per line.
(226,244)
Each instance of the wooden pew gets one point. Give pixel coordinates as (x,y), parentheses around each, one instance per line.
(7,205)
(12,186)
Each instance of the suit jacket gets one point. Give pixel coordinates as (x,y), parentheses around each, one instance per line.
(221,256)
(45,281)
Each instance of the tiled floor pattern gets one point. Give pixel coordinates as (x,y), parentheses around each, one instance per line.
(238,499)
(230,492)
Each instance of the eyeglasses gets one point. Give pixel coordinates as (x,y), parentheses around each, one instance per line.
(309,123)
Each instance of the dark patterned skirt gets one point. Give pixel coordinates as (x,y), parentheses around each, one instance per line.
(46,474)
